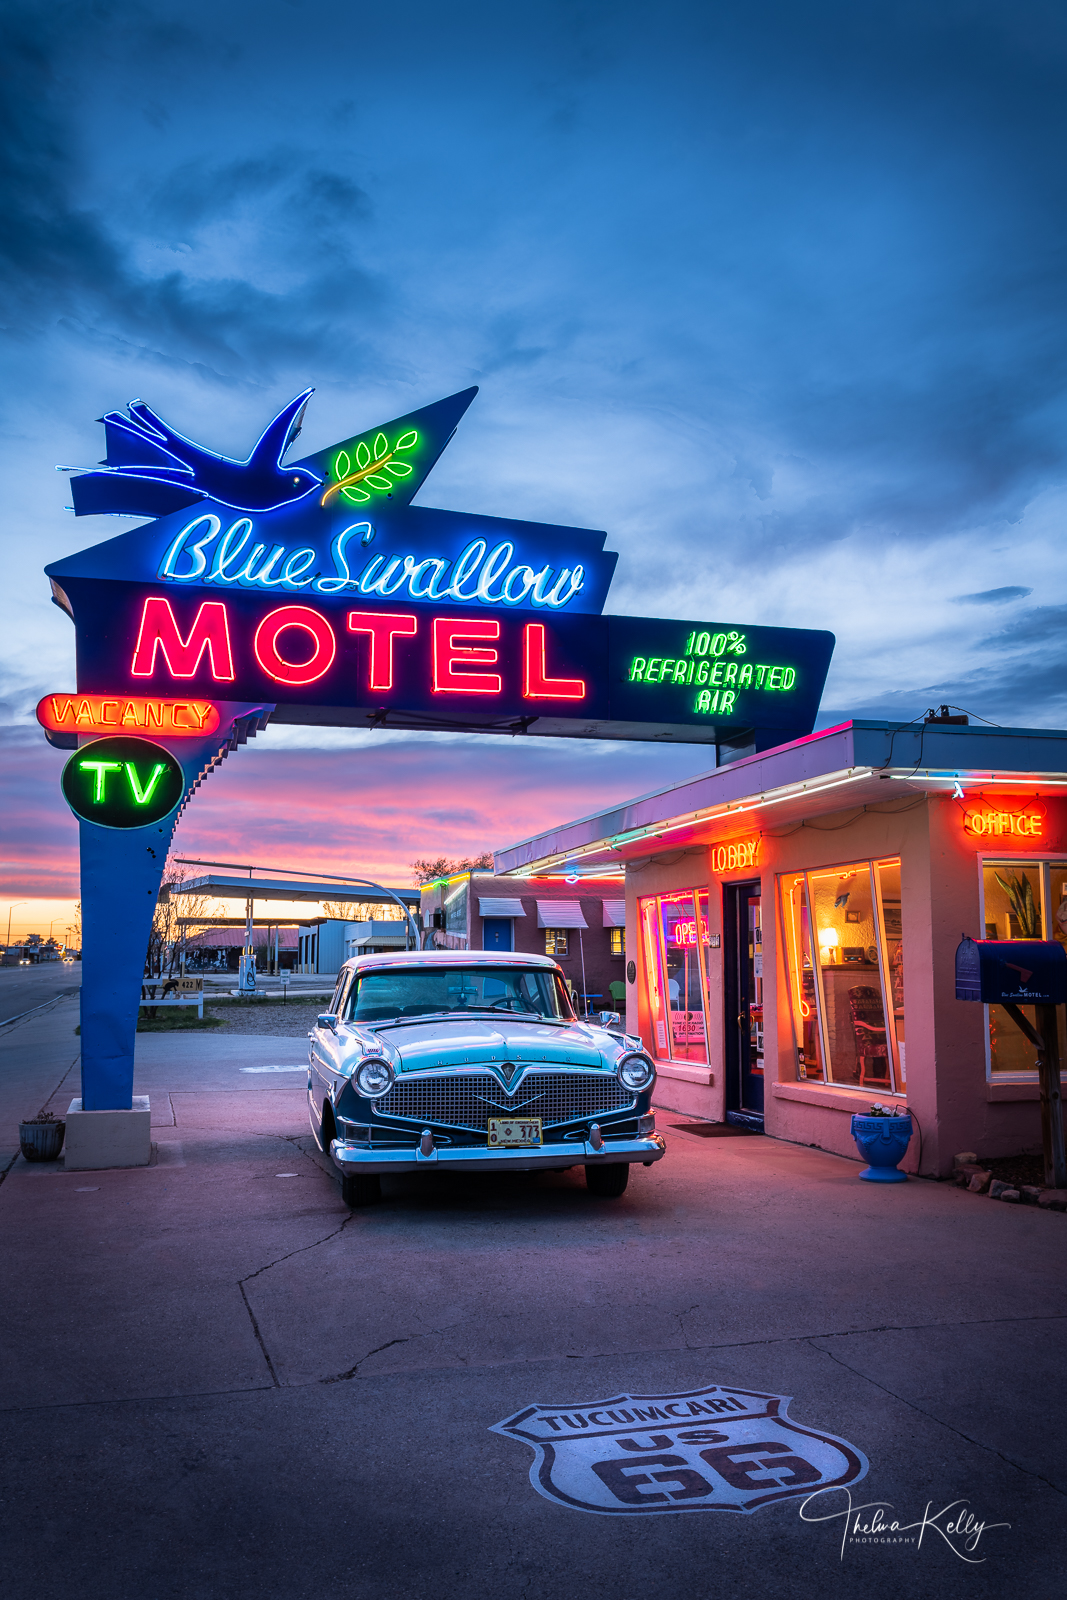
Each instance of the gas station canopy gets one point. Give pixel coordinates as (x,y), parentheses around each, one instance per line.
(228,887)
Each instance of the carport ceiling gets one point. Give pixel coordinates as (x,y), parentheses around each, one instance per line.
(230,888)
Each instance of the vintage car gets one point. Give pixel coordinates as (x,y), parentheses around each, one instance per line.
(473,1061)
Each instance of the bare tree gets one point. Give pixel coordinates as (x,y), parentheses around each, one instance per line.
(362,911)
(164,940)
(426,871)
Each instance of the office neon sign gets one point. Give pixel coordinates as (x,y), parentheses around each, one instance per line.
(990,823)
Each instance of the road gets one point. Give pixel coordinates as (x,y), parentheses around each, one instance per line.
(22,988)
(220,1384)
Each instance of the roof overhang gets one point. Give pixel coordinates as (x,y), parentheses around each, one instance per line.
(856,764)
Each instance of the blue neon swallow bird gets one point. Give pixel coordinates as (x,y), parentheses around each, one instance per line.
(150,470)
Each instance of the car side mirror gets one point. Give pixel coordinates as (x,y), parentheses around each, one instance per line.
(328,1019)
(609,1019)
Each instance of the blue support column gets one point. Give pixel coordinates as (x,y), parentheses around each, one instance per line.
(121,872)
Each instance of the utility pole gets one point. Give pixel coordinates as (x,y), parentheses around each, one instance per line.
(9,911)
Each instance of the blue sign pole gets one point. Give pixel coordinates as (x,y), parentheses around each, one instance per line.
(121,873)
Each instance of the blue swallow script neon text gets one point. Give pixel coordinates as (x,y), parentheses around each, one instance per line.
(203,553)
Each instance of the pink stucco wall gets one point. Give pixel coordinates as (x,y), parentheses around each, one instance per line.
(947,1089)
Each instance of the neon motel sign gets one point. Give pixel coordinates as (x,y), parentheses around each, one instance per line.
(255,583)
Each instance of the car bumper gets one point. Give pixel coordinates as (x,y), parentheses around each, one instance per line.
(350,1157)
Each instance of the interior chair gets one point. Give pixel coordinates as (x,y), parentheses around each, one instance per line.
(868,1026)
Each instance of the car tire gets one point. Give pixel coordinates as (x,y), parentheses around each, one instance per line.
(607,1183)
(360,1189)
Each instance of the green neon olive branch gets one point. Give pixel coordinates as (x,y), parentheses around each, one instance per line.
(370,469)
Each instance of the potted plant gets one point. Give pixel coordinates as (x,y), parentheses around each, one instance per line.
(882,1137)
(41,1138)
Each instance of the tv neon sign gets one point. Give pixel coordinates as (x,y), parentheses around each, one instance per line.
(122,782)
(119,713)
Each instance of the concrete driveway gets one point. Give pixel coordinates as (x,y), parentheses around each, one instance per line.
(218,1382)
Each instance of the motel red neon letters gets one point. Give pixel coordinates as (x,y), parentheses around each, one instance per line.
(536,684)
(159,631)
(298,645)
(301,619)
(452,652)
(383,628)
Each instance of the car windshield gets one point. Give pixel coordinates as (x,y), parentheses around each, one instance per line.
(426,991)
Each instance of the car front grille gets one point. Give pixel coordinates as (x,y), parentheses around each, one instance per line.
(466,1100)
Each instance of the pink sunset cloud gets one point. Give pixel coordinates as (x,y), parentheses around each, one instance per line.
(369,810)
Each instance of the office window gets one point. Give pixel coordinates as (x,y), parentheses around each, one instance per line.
(844,954)
(555,941)
(1021,900)
(617,941)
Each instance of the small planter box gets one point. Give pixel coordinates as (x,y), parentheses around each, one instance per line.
(882,1141)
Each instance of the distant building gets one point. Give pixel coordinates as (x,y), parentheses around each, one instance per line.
(326,942)
(581,924)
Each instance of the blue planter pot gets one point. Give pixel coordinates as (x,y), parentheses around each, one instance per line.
(882,1141)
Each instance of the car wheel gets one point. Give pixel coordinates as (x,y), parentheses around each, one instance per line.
(360,1188)
(608,1182)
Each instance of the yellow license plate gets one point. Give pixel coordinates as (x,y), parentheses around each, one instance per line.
(505,1133)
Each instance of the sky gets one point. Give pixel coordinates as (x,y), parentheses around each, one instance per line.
(773,293)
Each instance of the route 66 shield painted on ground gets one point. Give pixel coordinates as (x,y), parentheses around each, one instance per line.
(712,1449)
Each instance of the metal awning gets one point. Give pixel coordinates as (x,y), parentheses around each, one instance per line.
(499,908)
(614,913)
(560,914)
(226,887)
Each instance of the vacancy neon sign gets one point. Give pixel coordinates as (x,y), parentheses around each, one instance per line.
(117,713)
(297,645)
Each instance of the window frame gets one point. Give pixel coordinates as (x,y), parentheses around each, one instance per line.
(617,936)
(785,881)
(1044,866)
(552,938)
(666,1053)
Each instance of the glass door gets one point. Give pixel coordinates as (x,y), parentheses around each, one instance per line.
(744,1001)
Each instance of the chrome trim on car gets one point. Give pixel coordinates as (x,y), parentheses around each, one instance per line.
(353,1158)
(464,1097)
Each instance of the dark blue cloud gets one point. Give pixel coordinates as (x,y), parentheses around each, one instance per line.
(993,597)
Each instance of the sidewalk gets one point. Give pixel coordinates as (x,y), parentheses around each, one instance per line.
(219,1383)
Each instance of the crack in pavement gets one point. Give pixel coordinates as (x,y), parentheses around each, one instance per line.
(911,1404)
(598,1355)
(48,1097)
(314,1245)
(342,1377)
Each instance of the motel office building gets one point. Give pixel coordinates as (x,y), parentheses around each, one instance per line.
(791,923)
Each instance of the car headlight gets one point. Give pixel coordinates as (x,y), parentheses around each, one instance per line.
(373,1077)
(635,1072)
